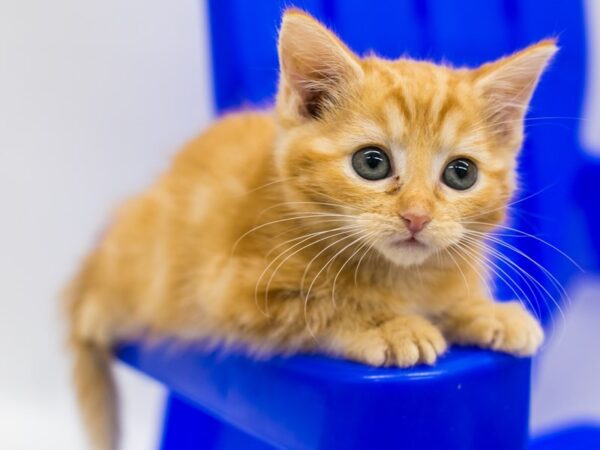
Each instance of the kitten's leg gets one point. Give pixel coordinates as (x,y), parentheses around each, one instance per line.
(507,327)
(402,341)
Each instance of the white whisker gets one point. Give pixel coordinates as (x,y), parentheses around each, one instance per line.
(346,263)
(307,296)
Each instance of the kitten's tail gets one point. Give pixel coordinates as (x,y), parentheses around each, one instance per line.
(96,392)
(92,374)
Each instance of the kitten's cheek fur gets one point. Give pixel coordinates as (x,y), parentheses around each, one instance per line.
(506,327)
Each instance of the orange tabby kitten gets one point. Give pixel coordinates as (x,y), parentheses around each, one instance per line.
(343,222)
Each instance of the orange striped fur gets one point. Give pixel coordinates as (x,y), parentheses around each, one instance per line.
(261,233)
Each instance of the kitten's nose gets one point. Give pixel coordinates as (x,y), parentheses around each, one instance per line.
(415,222)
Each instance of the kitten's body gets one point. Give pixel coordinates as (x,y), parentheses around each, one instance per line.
(198,276)
(259,233)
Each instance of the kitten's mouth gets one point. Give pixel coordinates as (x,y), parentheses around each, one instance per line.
(406,250)
(411,242)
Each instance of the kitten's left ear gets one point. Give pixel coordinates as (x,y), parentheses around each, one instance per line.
(507,85)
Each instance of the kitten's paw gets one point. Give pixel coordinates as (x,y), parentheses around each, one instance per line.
(402,342)
(412,340)
(506,327)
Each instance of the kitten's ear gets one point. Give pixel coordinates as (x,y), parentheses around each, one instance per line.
(507,85)
(316,67)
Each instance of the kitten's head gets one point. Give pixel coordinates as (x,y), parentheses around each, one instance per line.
(409,156)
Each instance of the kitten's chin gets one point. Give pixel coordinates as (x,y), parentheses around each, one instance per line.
(407,252)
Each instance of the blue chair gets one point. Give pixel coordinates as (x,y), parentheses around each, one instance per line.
(472,399)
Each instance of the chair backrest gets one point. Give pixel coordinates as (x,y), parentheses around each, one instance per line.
(556,176)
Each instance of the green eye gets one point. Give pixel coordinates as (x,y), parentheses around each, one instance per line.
(460,174)
(371,163)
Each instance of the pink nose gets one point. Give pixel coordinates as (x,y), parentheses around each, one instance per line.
(415,222)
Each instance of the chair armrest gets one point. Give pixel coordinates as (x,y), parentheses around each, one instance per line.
(471,399)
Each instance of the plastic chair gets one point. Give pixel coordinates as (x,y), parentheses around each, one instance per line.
(472,399)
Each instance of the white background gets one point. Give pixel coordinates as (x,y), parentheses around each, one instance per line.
(94,98)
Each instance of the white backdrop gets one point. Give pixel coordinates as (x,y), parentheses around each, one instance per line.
(94,98)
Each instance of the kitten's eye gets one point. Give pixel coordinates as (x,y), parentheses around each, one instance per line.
(371,163)
(460,174)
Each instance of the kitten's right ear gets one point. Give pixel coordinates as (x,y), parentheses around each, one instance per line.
(316,67)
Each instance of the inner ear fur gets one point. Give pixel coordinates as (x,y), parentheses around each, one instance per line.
(507,85)
(316,67)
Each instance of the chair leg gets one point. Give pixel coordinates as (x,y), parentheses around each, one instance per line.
(187,427)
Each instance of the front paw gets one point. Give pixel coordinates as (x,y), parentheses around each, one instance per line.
(401,342)
(506,327)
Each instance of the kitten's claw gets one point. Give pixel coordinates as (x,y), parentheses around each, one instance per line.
(506,327)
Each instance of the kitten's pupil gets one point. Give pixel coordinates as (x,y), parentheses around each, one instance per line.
(373,160)
(461,168)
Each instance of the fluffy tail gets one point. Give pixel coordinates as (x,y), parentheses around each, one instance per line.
(92,374)
(96,393)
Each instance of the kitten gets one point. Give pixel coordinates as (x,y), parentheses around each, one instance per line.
(348,221)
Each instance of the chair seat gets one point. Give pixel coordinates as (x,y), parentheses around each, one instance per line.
(470,400)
